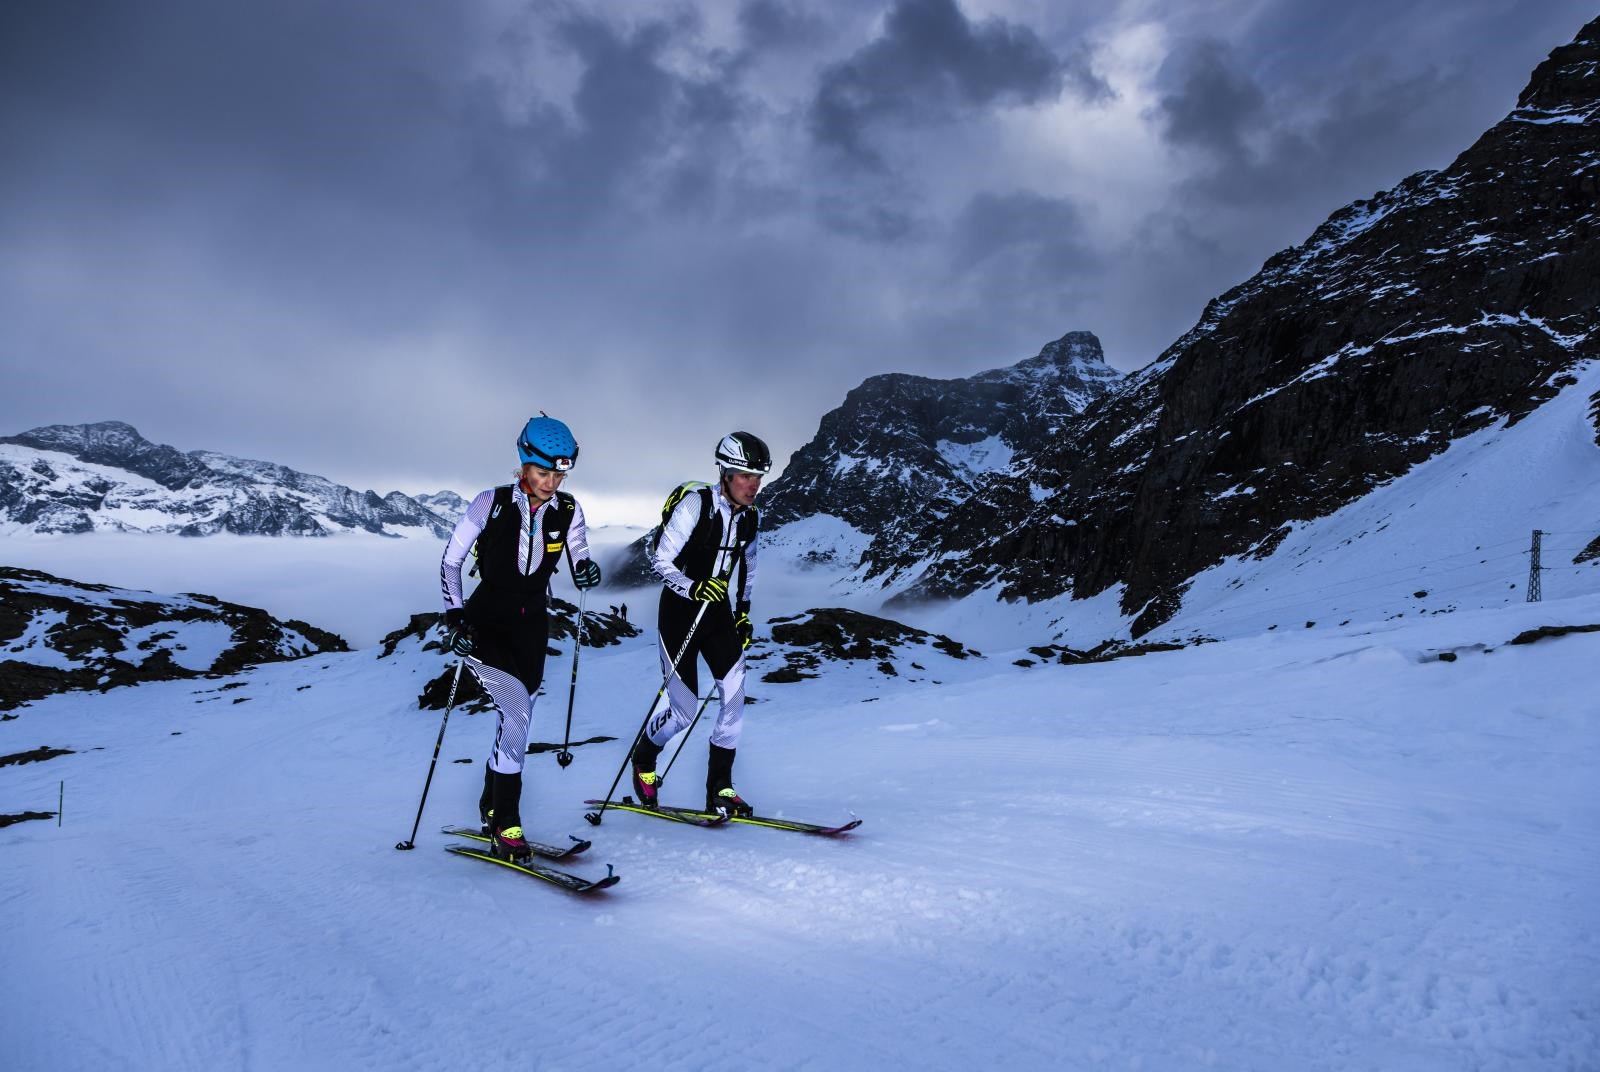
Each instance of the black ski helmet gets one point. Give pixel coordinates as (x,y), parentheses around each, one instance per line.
(744,453)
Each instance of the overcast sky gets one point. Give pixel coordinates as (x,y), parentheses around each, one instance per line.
(369,239)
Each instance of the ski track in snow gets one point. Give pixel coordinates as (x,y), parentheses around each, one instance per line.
(1316,852)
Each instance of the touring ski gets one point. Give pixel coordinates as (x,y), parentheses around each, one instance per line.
(671,815)
(549,852)
(565,879)
(708,818)
(769,822)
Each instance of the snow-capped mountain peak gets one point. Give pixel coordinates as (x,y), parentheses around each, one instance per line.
(108,477)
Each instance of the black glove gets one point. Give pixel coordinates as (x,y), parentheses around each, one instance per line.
(742,627)
(586,574)
(710,590)
(458,635)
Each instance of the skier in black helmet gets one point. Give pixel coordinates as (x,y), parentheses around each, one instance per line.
(709,535)
(520,531)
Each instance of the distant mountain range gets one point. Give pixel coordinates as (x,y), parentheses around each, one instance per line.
(107,477)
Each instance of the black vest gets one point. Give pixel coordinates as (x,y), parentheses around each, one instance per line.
(699,555)
(502,585)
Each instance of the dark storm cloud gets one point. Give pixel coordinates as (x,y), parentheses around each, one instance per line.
(640,137)
(773,24)
(1247,151)
(1046,233)
(933,64)
(1209,105)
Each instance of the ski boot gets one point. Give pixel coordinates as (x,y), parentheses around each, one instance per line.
(508,844)
(720,797)
(729,803)
(645,784)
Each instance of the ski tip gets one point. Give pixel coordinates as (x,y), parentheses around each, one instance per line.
(611,879)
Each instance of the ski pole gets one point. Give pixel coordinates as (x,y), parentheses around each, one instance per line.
(564,757)
(594,817)
(685,738)
(411,842)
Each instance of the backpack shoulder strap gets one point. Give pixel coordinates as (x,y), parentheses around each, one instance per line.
(502,499)
(749,520)
(563,508)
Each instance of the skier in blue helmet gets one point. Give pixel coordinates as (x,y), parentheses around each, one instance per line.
(520,531)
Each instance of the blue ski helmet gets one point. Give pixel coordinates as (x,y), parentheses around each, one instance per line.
(547,443)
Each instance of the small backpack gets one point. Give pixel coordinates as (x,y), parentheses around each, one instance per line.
(706,531)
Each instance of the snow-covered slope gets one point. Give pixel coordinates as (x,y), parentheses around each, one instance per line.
(1452,534)
(1324,849)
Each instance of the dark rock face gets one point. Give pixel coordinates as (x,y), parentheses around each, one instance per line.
(902,448)
(119,446)
(833,634)
(894,448)
(1454,300)
(203,492)
(58,635)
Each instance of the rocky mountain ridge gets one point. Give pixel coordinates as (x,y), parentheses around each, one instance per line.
(901,448)
(1459,298)
(106,476)
(59,635)
(900,444)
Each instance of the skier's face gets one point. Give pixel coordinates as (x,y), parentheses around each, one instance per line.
(741,488)
(541,483)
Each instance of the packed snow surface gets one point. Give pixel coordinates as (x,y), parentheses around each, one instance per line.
(1324,849)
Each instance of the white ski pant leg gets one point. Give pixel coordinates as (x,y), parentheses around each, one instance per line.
(681,699)
(515,708)
(730,719)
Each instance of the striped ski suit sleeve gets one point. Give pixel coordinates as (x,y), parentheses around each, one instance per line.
(460,546)
(674,535)
(578,534)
